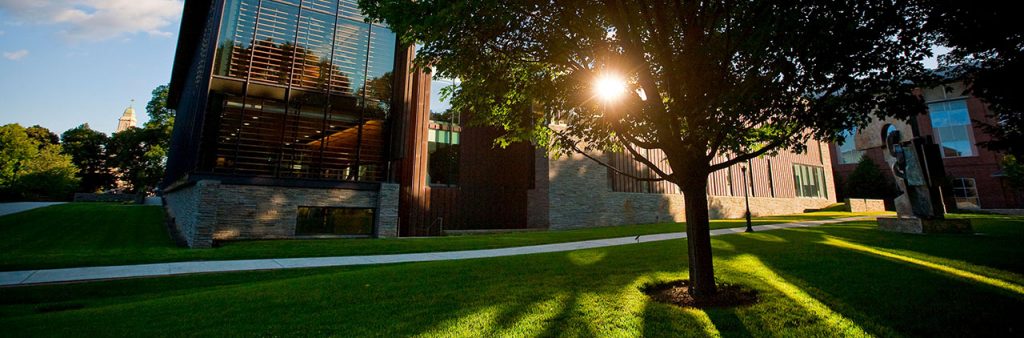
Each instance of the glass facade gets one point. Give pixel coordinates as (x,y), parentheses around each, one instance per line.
(809,181)
(443,136)
(848,152)
(301,89)
(951,126)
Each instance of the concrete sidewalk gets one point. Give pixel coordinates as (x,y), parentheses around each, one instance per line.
(16,207)
(30,277)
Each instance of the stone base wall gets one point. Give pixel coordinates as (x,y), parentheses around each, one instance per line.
(193,223)
(864,205)
(208,210)
(578,196)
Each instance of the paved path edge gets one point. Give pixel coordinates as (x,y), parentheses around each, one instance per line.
(97,273)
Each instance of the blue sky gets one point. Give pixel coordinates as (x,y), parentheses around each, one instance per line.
(68,62)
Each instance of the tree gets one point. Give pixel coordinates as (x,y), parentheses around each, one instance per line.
(729,80)
(987,52)
(866,181)
(42,136)
(87,148)
(138,157)
(1013,170)
(33,170)
(161,118)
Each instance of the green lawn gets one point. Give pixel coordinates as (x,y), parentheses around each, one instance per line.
(837,280)
(91,234)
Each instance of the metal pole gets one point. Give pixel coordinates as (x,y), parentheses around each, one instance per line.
(746,199)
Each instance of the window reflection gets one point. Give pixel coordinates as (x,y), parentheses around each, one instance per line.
(809,181)
(951,127)
(848,152)
(313,91)
(443,136)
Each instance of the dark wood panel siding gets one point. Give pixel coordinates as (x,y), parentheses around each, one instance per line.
(767,177)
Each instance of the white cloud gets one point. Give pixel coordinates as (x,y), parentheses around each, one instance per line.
(16,55)
(96,20)
(2,33)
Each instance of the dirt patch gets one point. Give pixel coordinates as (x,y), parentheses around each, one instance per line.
(678,293)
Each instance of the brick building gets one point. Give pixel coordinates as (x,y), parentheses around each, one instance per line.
(973,172)
(299,119)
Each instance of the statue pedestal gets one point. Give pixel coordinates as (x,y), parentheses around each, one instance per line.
(925,226)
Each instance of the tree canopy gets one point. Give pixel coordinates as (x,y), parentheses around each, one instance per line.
(34,170)
(703,80)
(88,150)
(987,53)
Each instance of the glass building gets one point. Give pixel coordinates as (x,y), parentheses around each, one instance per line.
(297,118)
(299,89)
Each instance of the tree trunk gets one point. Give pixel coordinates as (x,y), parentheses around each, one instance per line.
(698,236)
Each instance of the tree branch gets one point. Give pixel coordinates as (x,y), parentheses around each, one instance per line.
(745,157)
(644,160)
(605,164)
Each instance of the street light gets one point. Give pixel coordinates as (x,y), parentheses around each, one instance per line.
(746,200)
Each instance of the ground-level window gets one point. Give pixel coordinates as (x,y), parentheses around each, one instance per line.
(966,193)
(809,181)
(334,221)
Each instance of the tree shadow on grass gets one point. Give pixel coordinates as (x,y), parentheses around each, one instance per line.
(883,296)
(546,294)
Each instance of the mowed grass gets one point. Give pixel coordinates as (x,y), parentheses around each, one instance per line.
(837,280)
(93,234)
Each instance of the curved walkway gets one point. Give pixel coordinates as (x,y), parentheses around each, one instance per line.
(16,207)
(30,277)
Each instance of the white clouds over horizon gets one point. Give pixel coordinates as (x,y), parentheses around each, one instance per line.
(97,20)
(16,55)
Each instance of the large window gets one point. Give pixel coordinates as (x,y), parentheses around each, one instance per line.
(443,135)
(334,221)
(848,152)
(301,89)
(809,181)
(951,126)
(966,193)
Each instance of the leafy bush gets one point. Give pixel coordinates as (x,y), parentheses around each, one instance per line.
(867,181)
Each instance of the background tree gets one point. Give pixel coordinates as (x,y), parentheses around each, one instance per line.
(138,157)
(161,118)
(987,42)
(87,148)
(716,82)
(1013,171)
(867,181)
(42,136)
(33,170)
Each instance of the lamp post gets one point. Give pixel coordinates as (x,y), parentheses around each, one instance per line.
(746,200)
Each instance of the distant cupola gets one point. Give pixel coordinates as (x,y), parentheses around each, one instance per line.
(127,119)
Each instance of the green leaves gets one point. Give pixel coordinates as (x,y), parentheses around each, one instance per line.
(33,170)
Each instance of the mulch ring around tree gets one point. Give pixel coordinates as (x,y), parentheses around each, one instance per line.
(678,293)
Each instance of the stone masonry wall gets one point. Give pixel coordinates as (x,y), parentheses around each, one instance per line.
(209,210)
(865,205)
(251,211)
(387,210)
(579,196)
(194,223)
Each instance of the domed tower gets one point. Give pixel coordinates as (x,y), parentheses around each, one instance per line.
(127,119)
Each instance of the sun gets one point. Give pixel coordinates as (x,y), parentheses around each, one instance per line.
(609,87)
